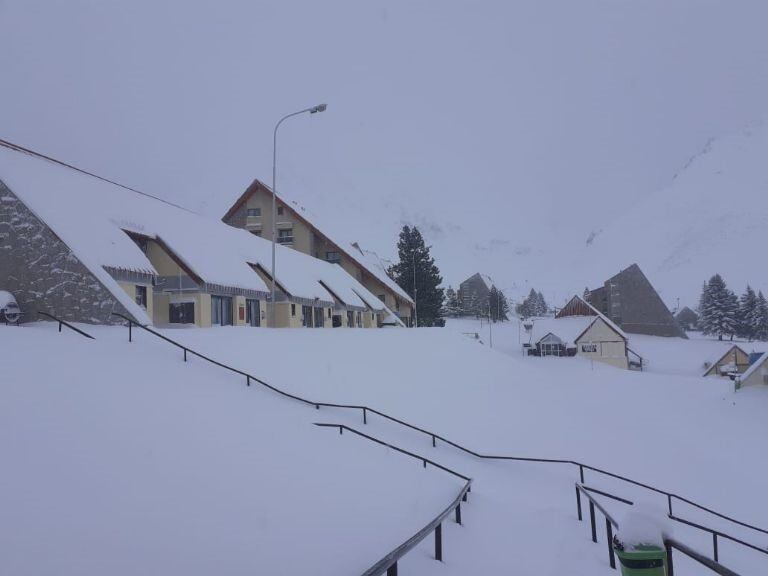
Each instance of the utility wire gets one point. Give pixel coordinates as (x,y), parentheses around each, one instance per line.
(17,148)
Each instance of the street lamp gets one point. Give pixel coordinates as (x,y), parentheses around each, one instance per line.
(312,110)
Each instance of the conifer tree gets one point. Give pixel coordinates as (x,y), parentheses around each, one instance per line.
(417,274)
(451,307)
(719,308)
(541,305)
(748,321)
(761,317)
(499,308)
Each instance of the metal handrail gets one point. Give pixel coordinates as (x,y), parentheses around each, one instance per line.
(435,437)
(389,562)
(581,489)
(65,323)
(716,567)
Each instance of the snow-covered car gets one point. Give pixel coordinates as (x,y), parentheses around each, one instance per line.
(9,308)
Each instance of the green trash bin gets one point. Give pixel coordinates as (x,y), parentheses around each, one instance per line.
(641,560)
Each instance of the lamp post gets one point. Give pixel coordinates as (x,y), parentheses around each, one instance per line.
(312,110)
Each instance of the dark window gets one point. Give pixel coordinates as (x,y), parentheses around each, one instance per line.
(279,210)
(256,232)
(141,296)
(382,298)
(359,320)
(285,236)
(333,257)
(350,319)
(181,313)
(319,318)
(221,310)
(254,211)
(293,309)
(306,316)
(397,305)
(330,312)
(252,312)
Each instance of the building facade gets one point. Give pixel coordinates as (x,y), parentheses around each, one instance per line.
(253,212)
(474,292)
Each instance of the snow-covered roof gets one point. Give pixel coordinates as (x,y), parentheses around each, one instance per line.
(721,356)
(376,266)
(754,366)
(92,216)
(368,260)
(486,280)
(567,329)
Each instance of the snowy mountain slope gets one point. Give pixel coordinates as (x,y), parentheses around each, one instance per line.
(121,459)
(712,218)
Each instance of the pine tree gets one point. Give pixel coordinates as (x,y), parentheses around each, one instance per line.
(719,308)
(417,274)
(748,321)
(541,305)
(761,320)
(499,308)
(451,307)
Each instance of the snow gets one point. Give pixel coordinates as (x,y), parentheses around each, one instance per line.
(376,265)
(644,524)
(754,366)
(6,298)
(92,215)
(567,329)
(121,459)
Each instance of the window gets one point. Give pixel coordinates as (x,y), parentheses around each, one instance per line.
(252,312)
(397,305)
(253,212)
(306,316)
(221,310)
(293,309)
(141,296)
(319,318)
(256,232)
(350,319)
(181,313)
(285,236)
(279,210)
(330,313)
(333,257)
(359,320)
(589,347)
(382,298)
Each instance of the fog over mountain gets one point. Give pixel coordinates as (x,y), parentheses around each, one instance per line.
(537,141)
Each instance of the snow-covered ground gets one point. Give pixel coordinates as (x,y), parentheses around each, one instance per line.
(685,434)
(120,459)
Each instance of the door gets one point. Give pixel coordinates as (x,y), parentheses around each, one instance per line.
(252,312)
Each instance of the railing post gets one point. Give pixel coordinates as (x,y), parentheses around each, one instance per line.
(365,416)
(185,354)
(59,326)
(458,514)
(581,473)
(592,519)
(670,566)
(130,331)
(464,497)
(341,430)
(247,380)
(434,441)
(669,503)
(609,536)
(392,570)
(578,502)
(714,547)
(439,542)
(425,463)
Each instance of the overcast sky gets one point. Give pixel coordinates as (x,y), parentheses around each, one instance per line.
(497,125)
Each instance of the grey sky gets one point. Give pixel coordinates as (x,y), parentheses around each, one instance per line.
(552,115)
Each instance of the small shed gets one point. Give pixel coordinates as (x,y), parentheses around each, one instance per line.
(734,361)
(757,373)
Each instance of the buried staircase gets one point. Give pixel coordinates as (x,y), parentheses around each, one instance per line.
(583,492)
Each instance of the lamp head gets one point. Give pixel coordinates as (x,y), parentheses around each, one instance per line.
(318,108)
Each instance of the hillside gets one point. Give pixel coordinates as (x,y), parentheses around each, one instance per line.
(712,217)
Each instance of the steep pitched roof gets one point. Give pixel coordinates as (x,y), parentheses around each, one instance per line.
(754,366)
(577,306)
(351,250)
(732,350)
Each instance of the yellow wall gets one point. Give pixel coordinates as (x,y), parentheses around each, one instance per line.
(161,261)
(161,302)
(610,348)
(130,289)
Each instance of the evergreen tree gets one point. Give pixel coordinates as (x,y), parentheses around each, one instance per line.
(499,308)
(541,305)
(417,274)
(719,308)
(748,320)
(761,317)
(452,307)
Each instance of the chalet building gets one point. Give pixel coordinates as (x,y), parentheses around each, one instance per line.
(80,247)
(631,302)
(296,229)
(687,319)
(475,288)
(734,361)
(757,373)
(581,330)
